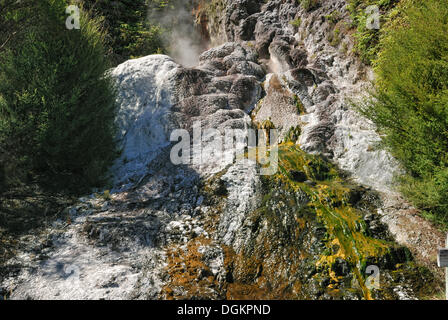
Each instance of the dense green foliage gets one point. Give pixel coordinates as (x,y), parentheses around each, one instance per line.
(15,17)
(57,109)
(410,105)
(367,40)
(137,28)
(130,33)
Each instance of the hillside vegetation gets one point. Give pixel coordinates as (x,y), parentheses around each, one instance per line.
(367,40)
(410,103)
(57,109)
(129,33)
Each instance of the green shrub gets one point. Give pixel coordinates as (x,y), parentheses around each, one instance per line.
(57,108)
(410,105)
(130,33)
(366,40)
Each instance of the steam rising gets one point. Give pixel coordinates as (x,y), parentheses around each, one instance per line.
(182,36)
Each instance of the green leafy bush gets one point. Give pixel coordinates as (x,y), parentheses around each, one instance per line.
(57,107)
(130,33)
(410,105)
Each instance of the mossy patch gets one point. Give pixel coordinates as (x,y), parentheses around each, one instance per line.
(347,237)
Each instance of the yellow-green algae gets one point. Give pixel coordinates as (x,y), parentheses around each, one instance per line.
(291,258)
(329,199)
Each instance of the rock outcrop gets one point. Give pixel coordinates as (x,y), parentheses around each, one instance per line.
(309,50)
(320,71)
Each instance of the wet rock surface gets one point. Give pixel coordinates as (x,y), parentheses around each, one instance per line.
(314,63)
